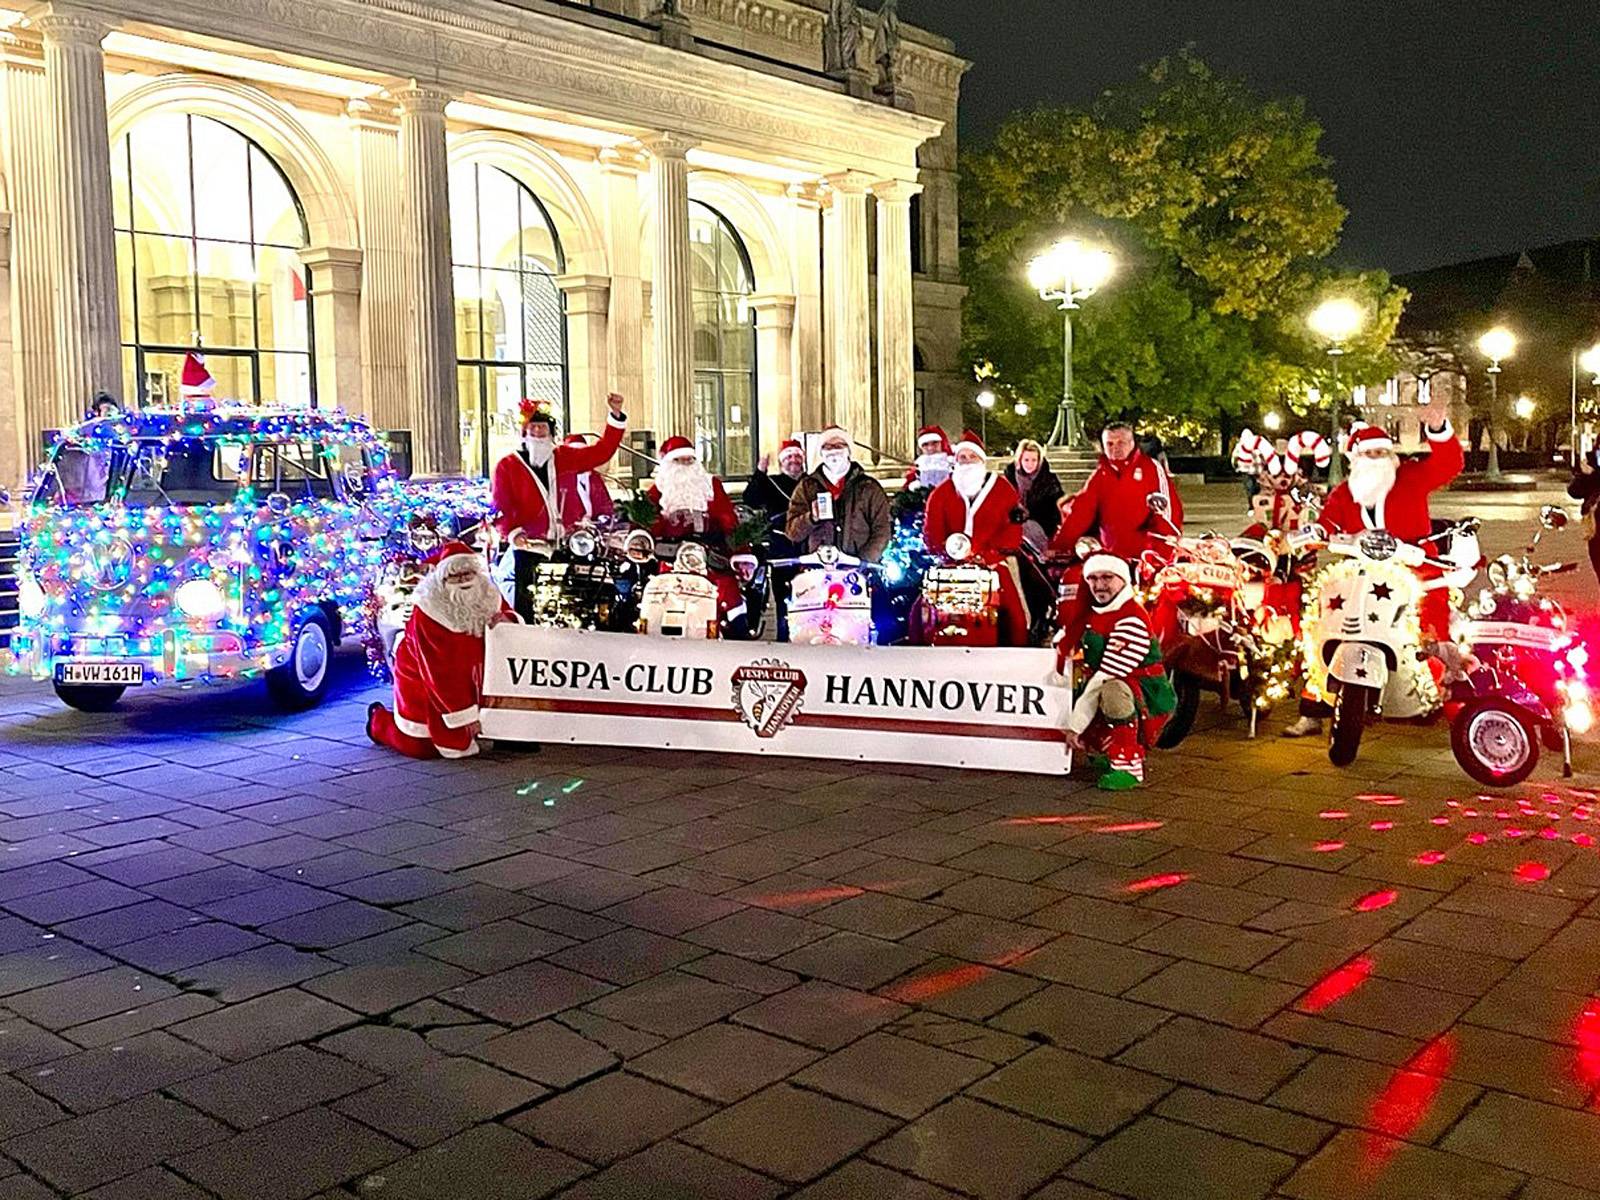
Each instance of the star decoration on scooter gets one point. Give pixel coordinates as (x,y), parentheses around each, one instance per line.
(1335,603)
(1381,591)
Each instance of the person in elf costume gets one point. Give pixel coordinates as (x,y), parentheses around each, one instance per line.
(1125,696)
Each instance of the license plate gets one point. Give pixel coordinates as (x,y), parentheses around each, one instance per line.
(118,674)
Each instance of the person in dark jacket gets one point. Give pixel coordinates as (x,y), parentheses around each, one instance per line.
(840,505)
(1585,487)
(770,494)
(1039,491)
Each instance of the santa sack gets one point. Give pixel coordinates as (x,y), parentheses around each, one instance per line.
(830,607)
(679,604)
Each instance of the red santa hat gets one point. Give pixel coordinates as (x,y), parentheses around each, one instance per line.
(789,446)
(1367,437)
(448,550)
(196,381)
(933,433)
(970,441)
(575,439)
(835,433)
(679,449)
(1108,564)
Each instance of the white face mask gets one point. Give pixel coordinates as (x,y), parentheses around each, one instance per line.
(968,477)
(540,449)
(835,463)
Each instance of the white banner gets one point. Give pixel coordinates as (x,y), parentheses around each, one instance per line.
(984,708)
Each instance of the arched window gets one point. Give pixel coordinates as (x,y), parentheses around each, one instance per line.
(209,235)
(511,328)
(724,343)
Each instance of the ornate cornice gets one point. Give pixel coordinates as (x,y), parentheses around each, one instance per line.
(68,26)
(415,99)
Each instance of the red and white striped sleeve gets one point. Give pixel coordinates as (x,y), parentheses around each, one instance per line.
(1126,648)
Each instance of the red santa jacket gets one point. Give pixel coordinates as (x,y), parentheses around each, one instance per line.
(986,519)
(438,671)
(720,521)
(571,490)
(1404,512)
(1114,506)
(521,502)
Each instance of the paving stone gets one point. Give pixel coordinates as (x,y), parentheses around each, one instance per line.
(60,905)
(1465,931)
(671,1004)
(1525,1066)
(1538,1012)
(1347,1091)
(333,925)
(1215,1057)
(793,1134)
(963,1037)
(878,914)
(820,1014)
(616,1037)
(590,889)
(979,939)
(87,1151)
(1008,862)
(741,973)
(758,934)
(521,870)
(1080,1020)
(723,1062)
(89,997)
(468,907)
(264,1023)
(108,1075)
(176,949)
(438,1100)
(1087,963)
(381,987)
(22,1109)
(671,1170)
(22,1043)
(263,969)
(1156,1159)
(891,1074)
(21,1187)
(263,1089)
(961,989)
(525,994)
(853,960)
(672,910)
(156,1183)
(547,1052)
(1105,920)
(1400,1008)
(627,956)
(288,1158)
(1081,1093)
(487,1163)
(1523,1135)
(1362,1166)
(49,961)
(128,924)
(610,1117)
(1289,1132)
(400,886)
(1228,997)
(580,926)
(384,1049)
(978,1150)
(1204,941)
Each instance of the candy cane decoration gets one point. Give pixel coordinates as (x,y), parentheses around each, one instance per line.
(1250,445)
(1309,441)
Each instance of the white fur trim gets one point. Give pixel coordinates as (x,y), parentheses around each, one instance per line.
(447,752)
(465,716)
(736,612)
(1440,435)
(964,445)
(619,420)
(412,728)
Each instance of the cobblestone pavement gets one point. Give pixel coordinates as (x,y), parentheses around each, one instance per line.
(250,956)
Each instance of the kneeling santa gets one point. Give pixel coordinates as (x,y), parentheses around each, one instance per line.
(438,663)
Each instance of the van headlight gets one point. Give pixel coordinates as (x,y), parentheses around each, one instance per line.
(30,597)
(201,599)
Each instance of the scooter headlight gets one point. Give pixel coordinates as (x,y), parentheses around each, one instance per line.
(200,599)
(1580,717)
(30,597)
(582,542)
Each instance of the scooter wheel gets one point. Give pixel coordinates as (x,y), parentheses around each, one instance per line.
(1494,742)
(1350,708)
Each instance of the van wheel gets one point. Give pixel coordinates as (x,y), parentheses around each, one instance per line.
(302,681)
(90,697)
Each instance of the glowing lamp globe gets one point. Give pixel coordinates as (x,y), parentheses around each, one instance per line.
(1497,344)
(1336,320)
(1525,408)
(1589,360)
(985,399)
(1070,267)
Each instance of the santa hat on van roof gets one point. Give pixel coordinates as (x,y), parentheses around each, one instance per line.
(196,381)
(933,433)
(970,441)
(678,449)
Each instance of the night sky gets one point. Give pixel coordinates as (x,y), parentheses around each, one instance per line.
(1457,128)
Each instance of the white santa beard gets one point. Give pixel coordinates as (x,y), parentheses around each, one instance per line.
(1371,479)
(540,450)
(459,608)
(684,487)
(968,478)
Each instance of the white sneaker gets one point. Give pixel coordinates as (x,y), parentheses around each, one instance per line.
(1304,727)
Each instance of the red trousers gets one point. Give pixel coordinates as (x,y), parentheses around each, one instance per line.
(433,740)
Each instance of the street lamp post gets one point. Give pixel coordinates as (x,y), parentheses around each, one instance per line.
(1066,273)
(1589,360)
(985,401)
(1336,321)
(1496,345)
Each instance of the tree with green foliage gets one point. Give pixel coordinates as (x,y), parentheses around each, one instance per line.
(1221,212)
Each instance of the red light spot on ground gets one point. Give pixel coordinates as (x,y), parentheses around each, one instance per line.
(1477,839)
(1582,839)
(1587,1035)
(1373,901)
(1154,882)
(1335,985)
(1333,814)
(926,987)
(1381,826)
(1407,1097)
(1429,858)
(1381,798)
(1054,819)
(1469,812)
(1328,847)
(813,896)
(1439,820)
(1129,827)
(1516,833)
(1531,872)
(1549,835)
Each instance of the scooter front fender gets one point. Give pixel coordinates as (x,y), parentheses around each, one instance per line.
(1360,663)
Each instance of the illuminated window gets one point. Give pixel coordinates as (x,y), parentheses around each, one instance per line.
(724,343)
(209,235)
(511,328)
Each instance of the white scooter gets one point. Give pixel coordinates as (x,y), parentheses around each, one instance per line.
(682,602)
(830,602)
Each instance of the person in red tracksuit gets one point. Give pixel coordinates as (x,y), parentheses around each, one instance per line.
(983,505)
(1114,505)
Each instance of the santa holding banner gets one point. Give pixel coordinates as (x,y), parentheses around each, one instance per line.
(438,662)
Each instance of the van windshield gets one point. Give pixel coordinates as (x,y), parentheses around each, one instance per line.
(142,473)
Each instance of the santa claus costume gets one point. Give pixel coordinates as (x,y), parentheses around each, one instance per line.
(438,663)
(1124,697)
(583,494)
(524,486)
(694,507)
(934,459)
(983,505)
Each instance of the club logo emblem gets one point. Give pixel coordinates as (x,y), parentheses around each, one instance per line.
(767,694)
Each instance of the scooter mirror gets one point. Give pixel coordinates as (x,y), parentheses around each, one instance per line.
(1085,546)
(639,546)
(958,546)
(827,555)
(1553,517)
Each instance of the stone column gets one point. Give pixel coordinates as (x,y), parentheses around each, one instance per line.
(383,263)
(897,393)
(335,273)
(87,334)
(805,261)
(849,328)
(620,168)
(12,453)
(433,406)
(587,307)
(670,288)
(26,145)
(775,406)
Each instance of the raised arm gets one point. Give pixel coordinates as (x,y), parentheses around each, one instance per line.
(591,458)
